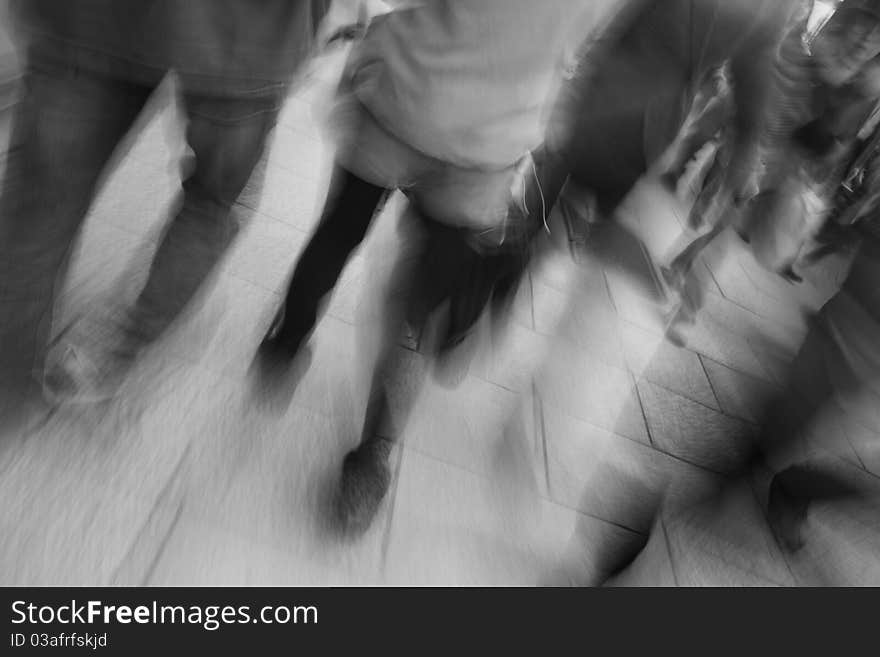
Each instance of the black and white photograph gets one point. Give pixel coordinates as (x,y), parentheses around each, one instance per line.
(458,294)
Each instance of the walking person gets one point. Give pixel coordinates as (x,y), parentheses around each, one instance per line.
(442,101)
(90,68)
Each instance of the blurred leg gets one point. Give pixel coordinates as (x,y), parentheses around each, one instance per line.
(66,128)
(428,274)
(227,137)
(366,473)
(348,213)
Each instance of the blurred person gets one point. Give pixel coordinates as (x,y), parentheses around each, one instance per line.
(90,68)
(629,97)
(814,126)
(787,108)
(857,196)
(836,370)
(442,101)
(810,126)
(709,115)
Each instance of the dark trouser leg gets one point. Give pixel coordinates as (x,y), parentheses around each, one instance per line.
(436,261)
(348,213)
(423,279)
(65,130)
(227,137)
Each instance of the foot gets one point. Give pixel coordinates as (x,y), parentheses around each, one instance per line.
(280,345)
(669,180)
(86,371)
(791,275)
(366,477)
(347,33)
(677,321)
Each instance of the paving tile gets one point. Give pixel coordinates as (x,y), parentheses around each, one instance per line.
(309,158)
(711,339)
(866,444)
(470,537)
(705,278)
(733,317)
(80,489)
(724,543)
(139,198)
(776,364)
(654,359)
(265,252)
(635,308)
(468,426)
(285,196)
(651,568)
(582,316)
(257,510)
(513,362)
(614,478)
(840,548)
(230,324)
(108,262)
(586,388)
(831,432)
(694,432)
(740,395)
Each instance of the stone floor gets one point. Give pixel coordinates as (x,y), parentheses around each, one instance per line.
(191,477)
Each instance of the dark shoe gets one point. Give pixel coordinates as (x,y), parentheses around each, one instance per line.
(791,275)
(281,344)
(366,477)
(669,180)
(347,33)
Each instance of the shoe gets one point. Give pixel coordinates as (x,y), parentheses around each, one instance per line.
(347,33)
(275,380)
(366,478)
(791,275)
(76,375)
(669,181)
(280,345)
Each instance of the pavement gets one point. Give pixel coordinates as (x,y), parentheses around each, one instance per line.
(579,436)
